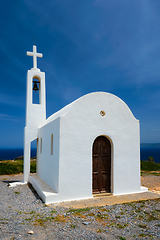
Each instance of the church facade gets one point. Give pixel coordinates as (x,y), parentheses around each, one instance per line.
(91,146)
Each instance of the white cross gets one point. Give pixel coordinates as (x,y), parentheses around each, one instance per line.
(35,55)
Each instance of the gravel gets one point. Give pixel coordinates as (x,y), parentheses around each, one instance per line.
(24,216)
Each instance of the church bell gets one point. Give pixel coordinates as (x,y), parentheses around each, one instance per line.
(35,87)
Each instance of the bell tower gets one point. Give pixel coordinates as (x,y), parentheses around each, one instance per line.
(35,112)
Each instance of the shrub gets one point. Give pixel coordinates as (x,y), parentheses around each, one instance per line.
(14,167)
(150,166)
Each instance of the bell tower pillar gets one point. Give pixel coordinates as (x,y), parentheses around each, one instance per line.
(35,113)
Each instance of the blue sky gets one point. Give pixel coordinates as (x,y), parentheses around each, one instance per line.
(87,46)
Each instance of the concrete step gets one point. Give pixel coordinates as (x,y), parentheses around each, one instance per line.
(102,194)
(43,189)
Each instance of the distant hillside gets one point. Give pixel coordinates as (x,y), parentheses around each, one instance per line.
(150,145)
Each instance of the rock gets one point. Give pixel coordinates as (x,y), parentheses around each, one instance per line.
(30,232)
(85,223)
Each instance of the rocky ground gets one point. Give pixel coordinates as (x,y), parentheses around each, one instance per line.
(24,216)
(152,182)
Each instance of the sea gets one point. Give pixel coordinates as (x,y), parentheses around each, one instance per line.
(145,153)
(10,154)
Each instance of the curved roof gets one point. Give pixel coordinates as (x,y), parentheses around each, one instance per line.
(66,109)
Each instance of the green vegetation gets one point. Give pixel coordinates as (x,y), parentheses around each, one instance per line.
(32,212)
(14,167)
(122,213)
(28,219)
(150,166)
(40,222)
(33,167)
(145,235)
(121,226)
(10,167)
(100,217)
(53,211)
(79,210)
(17,192)
(60,218)
(99,230)
(142,225)
(73,226)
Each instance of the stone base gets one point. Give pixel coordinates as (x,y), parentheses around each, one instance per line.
(144,189)
(48,196)
(44,191)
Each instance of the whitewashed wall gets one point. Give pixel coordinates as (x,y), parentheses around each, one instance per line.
(35,116)
(79,127)
(47,164)
(35,113)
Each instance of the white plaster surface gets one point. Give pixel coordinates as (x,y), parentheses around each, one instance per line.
(35,113)
(69,170)
(144,189)
(44,191)
(14,184)
(47,164)
(35,116)
(34,54)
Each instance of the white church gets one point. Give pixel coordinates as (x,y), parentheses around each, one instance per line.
(90,147)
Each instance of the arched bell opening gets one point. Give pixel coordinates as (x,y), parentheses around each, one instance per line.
(36,90)
(101,165)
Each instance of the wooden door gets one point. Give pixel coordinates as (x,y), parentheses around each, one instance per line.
(101,165)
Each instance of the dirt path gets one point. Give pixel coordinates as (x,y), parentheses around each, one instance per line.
(152,182)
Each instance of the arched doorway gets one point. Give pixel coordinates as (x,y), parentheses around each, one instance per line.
(101,165)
